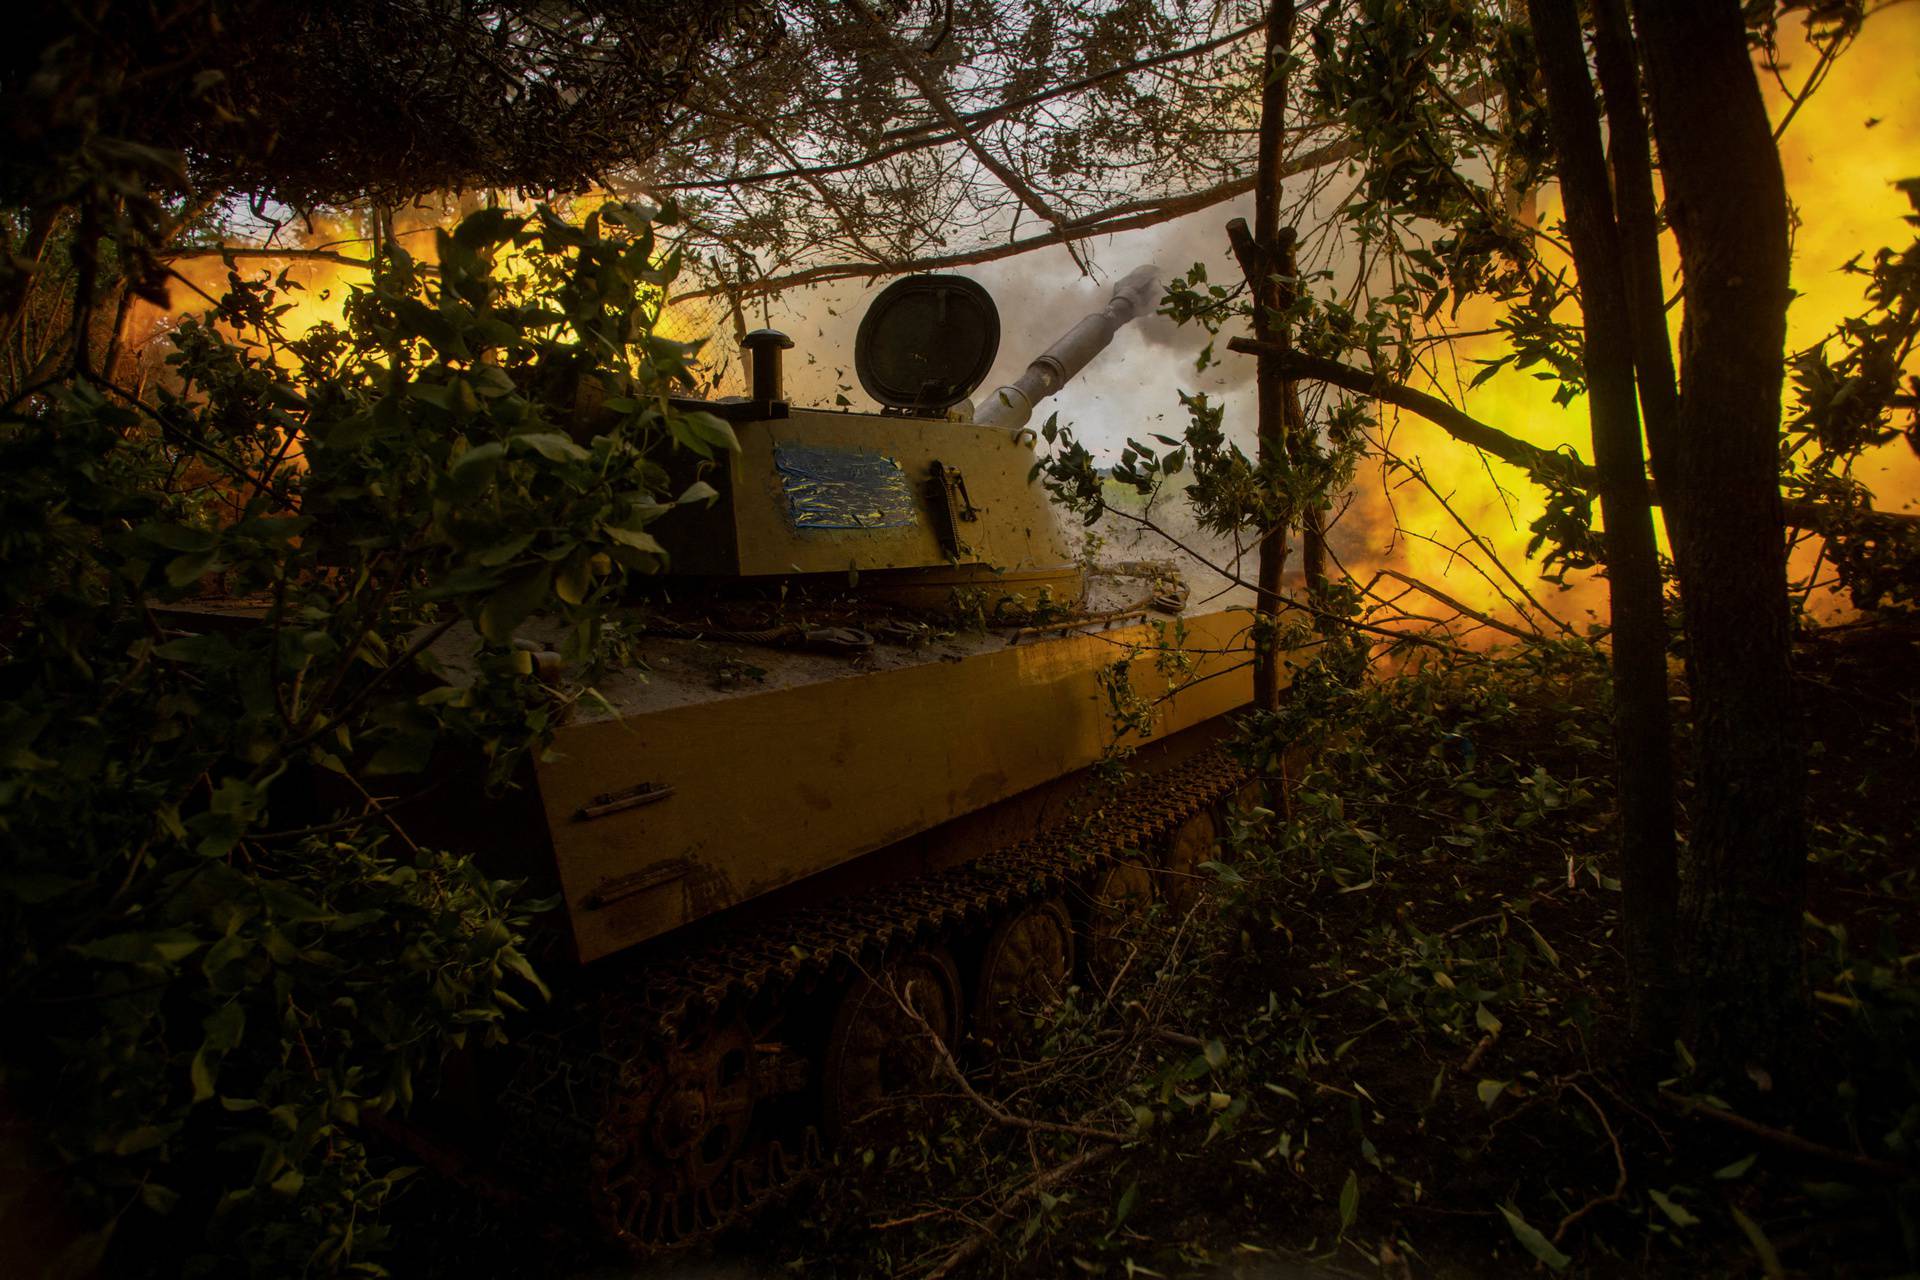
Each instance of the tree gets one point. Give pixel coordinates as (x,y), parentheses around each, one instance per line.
(880,139)
(804,141)
(1745,882)
(1268,264)
(1714,444)
(1457,115)
(1641,732)
(381,98)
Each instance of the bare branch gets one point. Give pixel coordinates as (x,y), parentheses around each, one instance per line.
(1786,1141)
(922,136)
(1455,422)
(1468,429)
(1131,215)
(1483,619)
(229,251)
(1619,1163)
(909,63)
(967,1249)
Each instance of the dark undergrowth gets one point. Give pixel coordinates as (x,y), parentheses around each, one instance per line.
(1386,1047)
(1384,1044)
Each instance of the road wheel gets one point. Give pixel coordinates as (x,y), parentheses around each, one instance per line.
(879,1057)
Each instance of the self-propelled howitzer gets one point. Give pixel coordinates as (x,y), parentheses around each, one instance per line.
(857,756)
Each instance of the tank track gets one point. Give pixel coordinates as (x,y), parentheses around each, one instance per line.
(582,1102)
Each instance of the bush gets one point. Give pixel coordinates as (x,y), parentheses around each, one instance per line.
(208,996)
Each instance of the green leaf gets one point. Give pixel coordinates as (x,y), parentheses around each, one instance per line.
(502,552)
(233,947)
(407,753)
(1736,1170)
(347,433)
(35,887)
(477,463)
(178,537)
(1547,952)
(1677,1213)
(551,445)
(508,607)
(491,381)
(223,1029)
(1530,1239)
(185,570)
(1762,1247)
(1485,1020)
(286,904)
(485,228)
(158,1198)
(1349,1200)
(165,947)
(144,1138)
(711,430)
(513,960)
(236,797)
(574,580)
(1490,1091)
(440,397)
(638,539)
(698,491)
(1124,1209)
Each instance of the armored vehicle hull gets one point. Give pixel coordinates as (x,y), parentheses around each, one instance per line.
(693,799)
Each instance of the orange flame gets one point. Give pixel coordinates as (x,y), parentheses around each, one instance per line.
(1841,154)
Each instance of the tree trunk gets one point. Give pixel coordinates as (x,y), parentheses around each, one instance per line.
(1744,883)
(1271,385)
(1642,740)
(1637,214)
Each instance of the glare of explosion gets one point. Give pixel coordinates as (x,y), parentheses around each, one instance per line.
(1842,152)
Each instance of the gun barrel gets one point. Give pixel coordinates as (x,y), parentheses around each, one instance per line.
(1011,406)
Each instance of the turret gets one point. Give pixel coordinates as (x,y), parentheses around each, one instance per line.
(1011,406)
(911,502)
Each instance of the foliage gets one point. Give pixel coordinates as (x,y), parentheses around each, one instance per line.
(215,980)
(1846,404)
(372,97)
(1327,668)
(1380,1040)
(1105,1067)
(879,138)
(1442,214)
(798,133)
(1442,103)
(1438,912)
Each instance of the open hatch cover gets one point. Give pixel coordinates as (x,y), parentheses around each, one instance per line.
(926,343)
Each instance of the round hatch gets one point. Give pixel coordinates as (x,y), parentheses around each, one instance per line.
(926,343)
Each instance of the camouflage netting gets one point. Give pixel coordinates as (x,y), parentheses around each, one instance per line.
(327,103)
(804,140)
